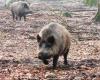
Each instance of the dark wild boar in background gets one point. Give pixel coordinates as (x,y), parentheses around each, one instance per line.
(20,9)
(54,41)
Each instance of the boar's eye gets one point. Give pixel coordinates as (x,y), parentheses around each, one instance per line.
(38,38)
(51,40)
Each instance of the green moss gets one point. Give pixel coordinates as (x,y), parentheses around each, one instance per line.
(91,2)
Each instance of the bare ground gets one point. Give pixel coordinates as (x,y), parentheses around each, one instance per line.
(18,47)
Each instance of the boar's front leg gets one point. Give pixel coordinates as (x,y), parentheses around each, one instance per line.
(24,17)
(16,17)
(13,15)
(65,57)
(20,17)
(55,59)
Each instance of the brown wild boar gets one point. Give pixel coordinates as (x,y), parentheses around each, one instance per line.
(54,41)
(20,9)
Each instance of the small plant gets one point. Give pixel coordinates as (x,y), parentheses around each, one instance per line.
(67,14)
(97,17)
(94,3)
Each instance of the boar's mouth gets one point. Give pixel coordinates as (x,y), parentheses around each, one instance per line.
(44,56)
(45,61)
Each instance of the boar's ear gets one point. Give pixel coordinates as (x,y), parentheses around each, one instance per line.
(26,6)
(38,38)
(51,39)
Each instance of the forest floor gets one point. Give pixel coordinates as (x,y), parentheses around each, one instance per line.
(18,48)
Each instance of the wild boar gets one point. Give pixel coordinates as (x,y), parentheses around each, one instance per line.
(20,9)
(53,41)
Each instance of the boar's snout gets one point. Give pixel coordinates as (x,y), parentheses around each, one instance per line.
(30,12)
(43,55)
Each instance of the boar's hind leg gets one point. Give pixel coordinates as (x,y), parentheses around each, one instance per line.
(65,57)
(20,18)
(55,59)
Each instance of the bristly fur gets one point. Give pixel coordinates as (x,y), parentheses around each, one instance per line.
(62,40)
(20,9)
